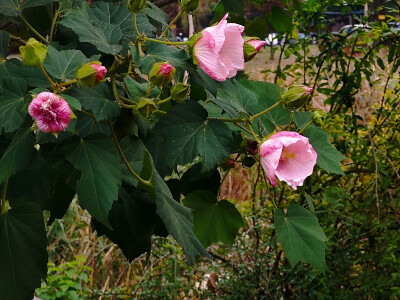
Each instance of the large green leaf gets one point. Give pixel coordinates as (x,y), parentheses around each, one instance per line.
(279,20)
(23,252)
(301,236)
(102,34)
(98,100)
(43,185)
(133,219)
(177,219)
(236,6)
(4,41)
(187,133)
(15,68)
(97,159)
(233,96)
(63,64)
(328,157)
(13,8)
(133,149)
(18,155)
(13,104)
(213,220)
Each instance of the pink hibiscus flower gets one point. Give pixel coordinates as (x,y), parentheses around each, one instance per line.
(51,112)
(219,51)
(288,156)
(101,71)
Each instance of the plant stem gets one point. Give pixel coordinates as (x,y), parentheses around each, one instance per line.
(88,114)
(121,153)
(53,24)
(47,76)
(3,198)
(305,126)
(253,133)
(145,38)
(164,100)
(17,39)
(227,120)
(265,111)
(172,23)
(33,30)
(135,24)
(68,82)
(116,96)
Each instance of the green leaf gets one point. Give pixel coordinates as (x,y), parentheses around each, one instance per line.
(4,41)
(102,34)
(187,133)
(97,159)
(177,220)
(157,52)
(13,104)
(236,6)
(213,220)
(279,20)
(310,203)
(241,99)
(18,155)
(133,219)
(63,64)
(138,90)
(133,149)
(43,185)
(301,236)
(328,157)
(301,118)
(97,100)
(23,252)
(13,8)
(73,103)
(14,68)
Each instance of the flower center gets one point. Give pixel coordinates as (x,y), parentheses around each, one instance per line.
(286,154)
(48,112)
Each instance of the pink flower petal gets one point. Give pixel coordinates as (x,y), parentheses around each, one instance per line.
(51,112)
(101,71)
(257,44)
(296,159)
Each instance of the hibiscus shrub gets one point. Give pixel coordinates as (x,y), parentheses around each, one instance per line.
(103,104)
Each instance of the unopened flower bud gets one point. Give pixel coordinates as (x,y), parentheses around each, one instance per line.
(248,161)
(33,53)
(296,96)
(251,47)
(252,147)
(318,118)
(180,92)
(91,74)
(161,74)
(227,164)
(146,107)
(189,5)
(136,5)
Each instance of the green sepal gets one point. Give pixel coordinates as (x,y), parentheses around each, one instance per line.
(189,5)
(192,41)
(136,5)
(87,75)
(146,107)
(33,53)
(180,92)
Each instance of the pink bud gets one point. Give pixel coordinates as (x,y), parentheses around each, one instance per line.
(288,156)
(166,70)
(256,43)
(307,89)
(101,71)
(51,112)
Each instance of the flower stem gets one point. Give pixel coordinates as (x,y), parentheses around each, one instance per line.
(116,96)
(135,24)
(121,153)
(227,120)
(252,132)
(164,100)
(3,198)
(265,111)
(172,23)
(47,76)
(17,39)
(68,82)
(33,30)
(53,24)
(305,126)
